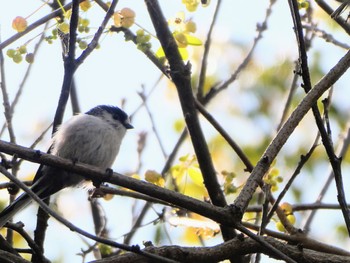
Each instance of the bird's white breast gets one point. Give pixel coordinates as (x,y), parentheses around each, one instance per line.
(88,139)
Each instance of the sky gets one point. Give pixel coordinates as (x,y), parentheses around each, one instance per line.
(116,72)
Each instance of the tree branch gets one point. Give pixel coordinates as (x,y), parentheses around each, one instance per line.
(72,227)
(287,129)
(36,24)
(181,76)
(328,145)
(203,71)
(232,248)
(218,214)
(338,19)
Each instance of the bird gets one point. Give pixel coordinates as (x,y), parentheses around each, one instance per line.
(92,138)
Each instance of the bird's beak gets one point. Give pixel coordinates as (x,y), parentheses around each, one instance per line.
(127,124)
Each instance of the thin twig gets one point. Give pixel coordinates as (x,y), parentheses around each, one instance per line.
(70,67)
(308,243)
(302,207)
(265,244)
(302,162)
(25,77)
(94,42)
(203,71)
(327,36)
(261,28)
(343,151)
(36,24)
(34,247)
(155,131)
(326,140)
(330,11)
(6,100)
(8,116)
(37,140)
(128,35)
(292,90)
(223,133)
(287,129)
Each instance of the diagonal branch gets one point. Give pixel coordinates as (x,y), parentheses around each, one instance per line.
(218,214)
(203,72)
(338,19)
(36,24)
(344,148)
(328,145)
(181,76)
(72,227)
(93,44)
(287,129)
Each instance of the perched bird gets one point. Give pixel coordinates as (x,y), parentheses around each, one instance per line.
(92,138)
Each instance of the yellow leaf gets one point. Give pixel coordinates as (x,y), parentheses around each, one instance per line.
(181,40)
(135,176)
(108,197)
(154,178)
(287,208)
(85,5)
(184,158)
(193,190)
(192,40)
(183,53)
(196,175)
(64,27)
(160,53)
(179,125)
(191,236)
(291,219)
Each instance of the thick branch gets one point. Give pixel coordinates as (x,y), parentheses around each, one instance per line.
(228,249)
(334,160)
(181,76)
(282,136)
(218,214)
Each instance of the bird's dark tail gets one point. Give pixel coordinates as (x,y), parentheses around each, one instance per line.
(21,202)
(40,187)
(47,181)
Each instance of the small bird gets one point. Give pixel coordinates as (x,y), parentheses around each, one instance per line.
(92,138)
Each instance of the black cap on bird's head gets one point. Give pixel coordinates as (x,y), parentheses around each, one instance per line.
(116,113)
